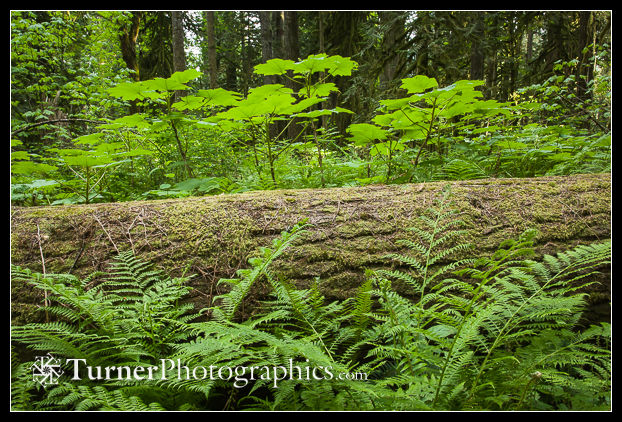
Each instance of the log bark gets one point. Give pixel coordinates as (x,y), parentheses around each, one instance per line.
(351,230)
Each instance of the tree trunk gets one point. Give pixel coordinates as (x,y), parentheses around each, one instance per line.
(554,47)
(392,57)
(277,25)
(179,53)
(292,51)
(351,230)
(477,48)
(584,71)
(266,42)
(211,49)
(127,39)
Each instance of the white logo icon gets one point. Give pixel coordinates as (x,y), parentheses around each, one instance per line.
(46,370)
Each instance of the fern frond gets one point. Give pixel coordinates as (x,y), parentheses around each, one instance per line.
(240,287)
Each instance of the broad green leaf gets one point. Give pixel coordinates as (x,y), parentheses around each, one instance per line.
(159,126)
(163,85)
(109,147)
(380,148)
(364,133)
(341,66)
(127,91)
(490,108)
(188,184)
(220,97)
(85,160)
(91,139)
(324,89)
(274,67)
(463,85)
(456,109)
(398,103)
(418,84)
(20,155)
(490,128)
(302,105)
(262,92)
(30,167)
(137,90)
(405,118)
(312,64)
(184,76)
(511,145)
(189,102)
(261,101)
(246,111)
(136,120)
(205,123)
(324,112)
(41,183)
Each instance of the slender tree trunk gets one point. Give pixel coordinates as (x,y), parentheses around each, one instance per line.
(320,19)
(477,49)
(554,47)
(211,49)
(292,51)
(529,48)
(266,42)
(277,47)
(584,71)
(394,24)
(128,38)
(514,47)
(179,52)
(245,53)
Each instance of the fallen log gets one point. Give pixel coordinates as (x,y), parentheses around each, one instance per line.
(351,229)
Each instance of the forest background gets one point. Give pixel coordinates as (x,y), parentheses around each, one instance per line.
(86,126)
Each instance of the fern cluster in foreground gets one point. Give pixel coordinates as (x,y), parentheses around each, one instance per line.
(497,333)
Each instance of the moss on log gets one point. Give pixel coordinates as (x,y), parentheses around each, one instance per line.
(352,229)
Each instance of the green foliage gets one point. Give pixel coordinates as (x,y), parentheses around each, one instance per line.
(239,288)
(131,317)
(323,120)
(264,106)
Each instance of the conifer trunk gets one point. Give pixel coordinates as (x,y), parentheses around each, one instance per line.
(351,230)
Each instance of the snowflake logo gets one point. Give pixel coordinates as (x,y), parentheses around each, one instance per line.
(46,370)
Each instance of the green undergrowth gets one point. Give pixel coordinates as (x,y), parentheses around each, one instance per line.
(502,332)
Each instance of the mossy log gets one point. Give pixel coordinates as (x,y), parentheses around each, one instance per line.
(351,230)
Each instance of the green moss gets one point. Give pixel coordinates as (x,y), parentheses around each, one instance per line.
(352,228)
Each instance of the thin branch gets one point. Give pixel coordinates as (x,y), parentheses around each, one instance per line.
(105,231)
(45,292)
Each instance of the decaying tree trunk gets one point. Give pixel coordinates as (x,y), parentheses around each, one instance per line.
(351,230)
